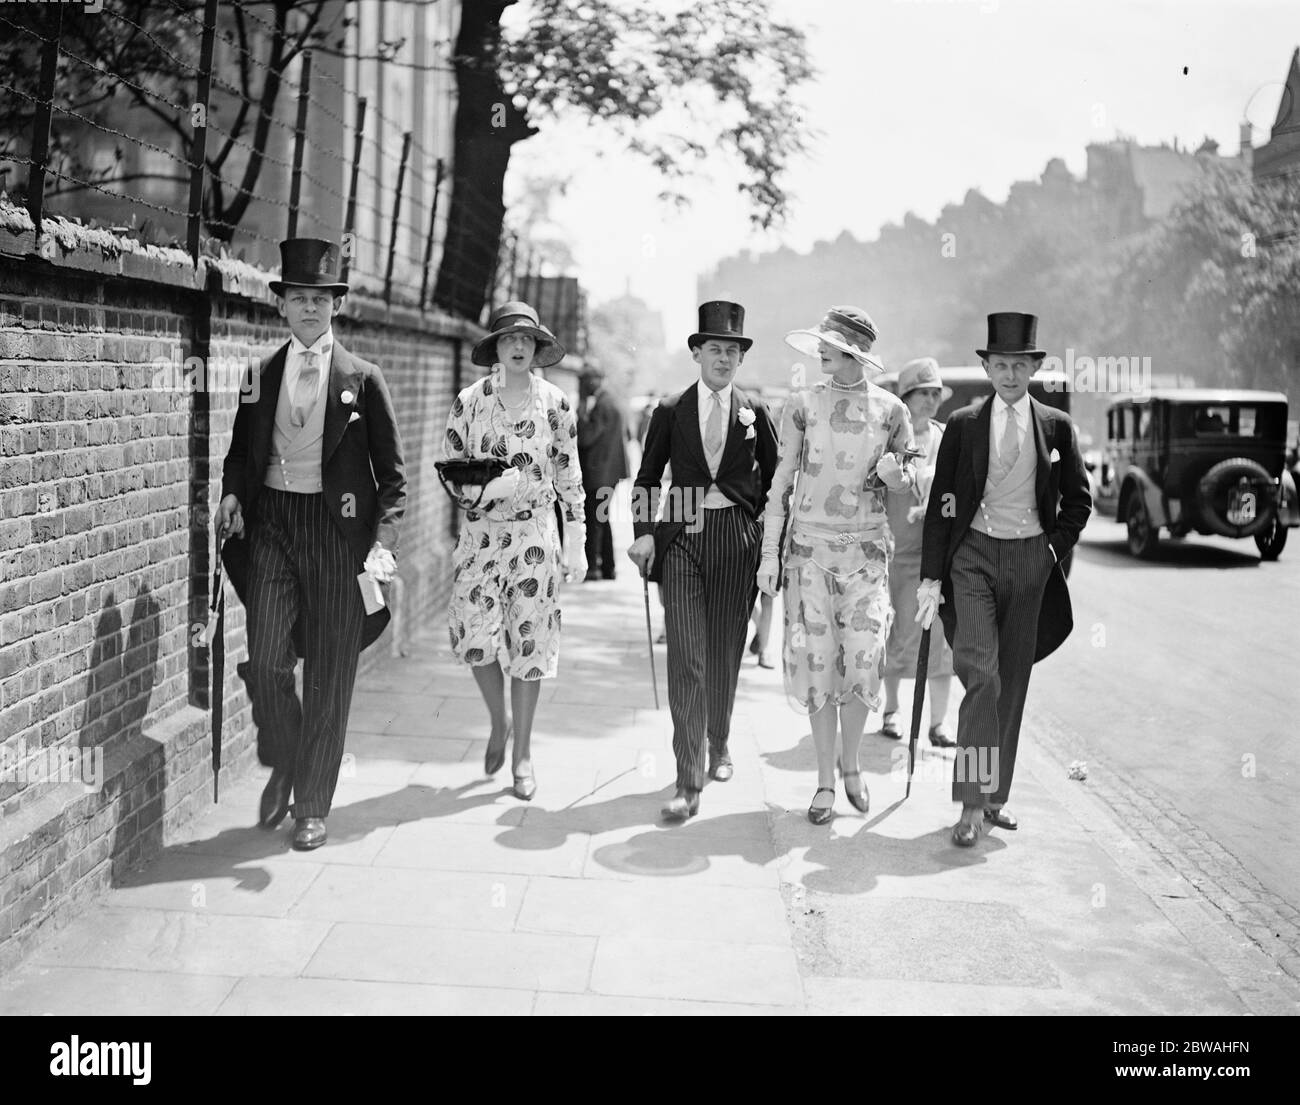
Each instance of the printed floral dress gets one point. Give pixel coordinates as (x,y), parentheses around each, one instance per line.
(505,598)
(838,543)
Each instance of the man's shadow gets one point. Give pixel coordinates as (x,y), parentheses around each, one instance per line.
(119,684)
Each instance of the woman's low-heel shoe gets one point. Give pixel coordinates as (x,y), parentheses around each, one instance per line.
(860,802)
(494,758)
(525,787)
(819,815)
(889,726)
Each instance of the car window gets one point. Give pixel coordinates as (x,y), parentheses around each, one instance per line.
(1211,420)
(1144,423)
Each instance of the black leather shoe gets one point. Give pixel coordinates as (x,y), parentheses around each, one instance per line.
(1001,818)
(720,769)
(275,799)
(819,815)
(684,804)
(964,835)
(308,833)
(940,738)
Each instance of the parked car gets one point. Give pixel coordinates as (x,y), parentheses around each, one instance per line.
(1199,460)
(971,384)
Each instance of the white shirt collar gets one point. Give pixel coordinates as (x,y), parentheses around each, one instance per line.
(1021,407)
(323,345)
(724,396)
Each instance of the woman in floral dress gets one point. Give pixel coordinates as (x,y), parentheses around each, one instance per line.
(843,442)
(508,562)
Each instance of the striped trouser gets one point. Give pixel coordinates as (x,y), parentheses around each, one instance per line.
(997,589)
(708,591)
(302,567)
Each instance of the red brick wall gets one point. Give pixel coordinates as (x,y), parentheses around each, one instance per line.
(108,481)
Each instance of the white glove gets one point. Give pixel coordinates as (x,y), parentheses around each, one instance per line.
(380,564)
(767,575)
(503,486)
(928,599)
(891,472)
(575,549)
(915,513)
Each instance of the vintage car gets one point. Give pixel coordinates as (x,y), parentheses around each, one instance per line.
(971,384)
(1198,460)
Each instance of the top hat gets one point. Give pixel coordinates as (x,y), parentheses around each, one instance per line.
(723,321)
(922,373)
(848,329)
(517,318)
(308,263)
(1012,332)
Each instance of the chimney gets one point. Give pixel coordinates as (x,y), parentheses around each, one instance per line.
(1247,154)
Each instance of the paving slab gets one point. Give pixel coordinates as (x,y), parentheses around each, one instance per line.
(328,997)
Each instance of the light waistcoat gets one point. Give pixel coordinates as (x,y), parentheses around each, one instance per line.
(1009,506)
(713,498)
(296,450)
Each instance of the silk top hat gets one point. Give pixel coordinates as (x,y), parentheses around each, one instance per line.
(1012,332)
(922,373)
(308,263)
(721,320)
(517,318)
(848,329)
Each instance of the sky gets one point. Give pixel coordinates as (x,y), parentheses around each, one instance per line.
(917,101)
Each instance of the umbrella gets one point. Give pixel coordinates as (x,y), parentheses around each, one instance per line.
(649,636)
(918,700)
(216,634)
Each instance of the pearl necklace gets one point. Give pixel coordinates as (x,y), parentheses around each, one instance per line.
(849,387)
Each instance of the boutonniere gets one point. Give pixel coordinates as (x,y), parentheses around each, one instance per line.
(745,416)
(347,397)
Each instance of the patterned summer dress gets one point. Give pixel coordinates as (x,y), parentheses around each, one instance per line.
(838,544)
(505,598)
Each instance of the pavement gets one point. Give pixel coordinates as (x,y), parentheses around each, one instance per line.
(439,892)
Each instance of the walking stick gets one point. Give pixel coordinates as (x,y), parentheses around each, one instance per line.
(918,700)
(649,636)
(217,643)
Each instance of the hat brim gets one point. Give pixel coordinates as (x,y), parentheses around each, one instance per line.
(278,286)
(945,393)
(548,352)
(985,354)
(700,339)
(808,342)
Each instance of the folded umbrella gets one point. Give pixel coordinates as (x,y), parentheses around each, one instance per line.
(918,700)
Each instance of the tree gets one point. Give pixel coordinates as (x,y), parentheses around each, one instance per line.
(636,70)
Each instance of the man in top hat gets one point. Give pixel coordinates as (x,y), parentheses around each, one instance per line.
(1008,500)
(602,455)
(313,488)
(722,447)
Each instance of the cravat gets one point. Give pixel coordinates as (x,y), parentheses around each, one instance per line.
(1009,447)
(713,428)
(304,394)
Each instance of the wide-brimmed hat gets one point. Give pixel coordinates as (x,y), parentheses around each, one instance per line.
(722,320)
(922,373)
(308,263)
(517,318)
(848,329)
(1012,332)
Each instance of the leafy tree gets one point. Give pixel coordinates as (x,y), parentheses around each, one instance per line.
(640,72)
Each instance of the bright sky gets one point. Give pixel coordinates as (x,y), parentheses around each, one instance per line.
(917,101)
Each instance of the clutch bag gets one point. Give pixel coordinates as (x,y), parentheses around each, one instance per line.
(480,471)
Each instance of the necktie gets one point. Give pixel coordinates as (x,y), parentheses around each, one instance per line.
(304,394)
(713,428)
(1009,447)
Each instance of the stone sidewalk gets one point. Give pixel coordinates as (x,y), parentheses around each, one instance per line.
(439,892)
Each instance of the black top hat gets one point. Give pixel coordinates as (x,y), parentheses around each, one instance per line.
(1012,332)
(723,321)
(308,263)
(517,318)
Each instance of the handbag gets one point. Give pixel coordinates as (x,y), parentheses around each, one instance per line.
(476,470)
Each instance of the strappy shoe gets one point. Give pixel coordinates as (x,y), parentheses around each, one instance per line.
(525,786)
(819,815)
(940,737)
(889,727)
(860,801)
(494,758)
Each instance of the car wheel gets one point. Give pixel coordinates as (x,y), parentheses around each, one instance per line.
(1143,537)
(1236,498)
(1272,541)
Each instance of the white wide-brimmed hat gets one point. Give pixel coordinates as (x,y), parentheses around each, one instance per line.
(922,373)
(848,329)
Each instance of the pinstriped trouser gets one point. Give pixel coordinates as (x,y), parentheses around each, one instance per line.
(997,587)
(708,590)
(300,564)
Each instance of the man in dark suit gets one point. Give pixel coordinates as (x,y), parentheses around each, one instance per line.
(602,456)
(1009,498)
(722,447)
(313,488)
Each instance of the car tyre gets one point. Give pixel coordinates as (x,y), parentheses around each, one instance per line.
(1143,537)
(1271,541)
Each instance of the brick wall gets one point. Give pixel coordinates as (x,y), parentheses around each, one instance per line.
(109,475)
